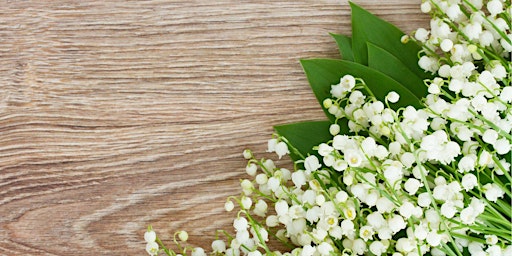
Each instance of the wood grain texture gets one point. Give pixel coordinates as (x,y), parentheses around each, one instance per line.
(119,114)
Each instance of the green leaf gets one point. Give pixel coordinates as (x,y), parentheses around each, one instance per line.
(304,136)
(322,73)
(345,46)
(320,78)
(367,27)
(388,64)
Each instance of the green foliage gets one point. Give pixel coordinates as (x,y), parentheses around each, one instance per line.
(375,54)
(322,73)
(388,64)
(304,136)
(368,28)
(345,46)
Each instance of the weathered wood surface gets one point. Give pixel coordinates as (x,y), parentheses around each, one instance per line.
(119,114)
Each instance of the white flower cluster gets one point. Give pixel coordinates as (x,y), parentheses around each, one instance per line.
(151,244)
(388,173)
(403,182)
(466,31)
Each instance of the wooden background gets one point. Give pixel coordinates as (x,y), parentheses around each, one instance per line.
(119,114)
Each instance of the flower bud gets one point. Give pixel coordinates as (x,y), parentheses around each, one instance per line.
(247,154)
(183,236)
(229,206)
(334,129)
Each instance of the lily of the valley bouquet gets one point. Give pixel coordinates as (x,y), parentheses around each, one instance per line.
(414,159)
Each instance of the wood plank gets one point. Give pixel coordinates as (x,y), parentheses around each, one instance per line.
(119,114)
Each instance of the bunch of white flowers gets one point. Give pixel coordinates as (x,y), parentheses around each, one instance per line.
(407,181)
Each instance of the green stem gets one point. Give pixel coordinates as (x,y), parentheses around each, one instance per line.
(255,225)
(167,251)
(449,250)
(492,219)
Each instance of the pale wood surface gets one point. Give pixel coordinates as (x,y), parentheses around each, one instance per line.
(119,114)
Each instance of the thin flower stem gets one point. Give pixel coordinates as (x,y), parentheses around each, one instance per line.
(482,49)
(284,242)
(493,211)
(292,148)
(292,196)
(505,208)
(496,220)
(425,47)
(487,230)
(505,172)
(396,199)
(424,180)
(497,162)
(480,117)
(496,181)
(373,135)
(489,206)
(367,89)
(470,238)
(167,251)
(264,169)
(326,193)
(508,136)
(255,224)
(493,55)
(449,250)
(259,193)
(493,95)
(470,125)
(180,249)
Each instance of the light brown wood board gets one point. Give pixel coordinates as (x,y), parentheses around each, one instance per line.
(119,114)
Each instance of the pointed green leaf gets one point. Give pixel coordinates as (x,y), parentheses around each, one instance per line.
(304,136)
(367,27)
(322,73)
(388,64)
(345,46)
(320,78)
